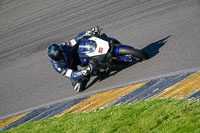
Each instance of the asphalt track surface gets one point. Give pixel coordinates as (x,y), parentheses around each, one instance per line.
(169,30)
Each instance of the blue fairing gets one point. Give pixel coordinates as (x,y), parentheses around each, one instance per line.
(84,61)
(79,36)
(124,58)
(116,50)
(86,46)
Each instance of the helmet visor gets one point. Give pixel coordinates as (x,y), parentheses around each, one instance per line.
(55,52)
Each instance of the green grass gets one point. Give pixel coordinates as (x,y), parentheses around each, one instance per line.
(156,116)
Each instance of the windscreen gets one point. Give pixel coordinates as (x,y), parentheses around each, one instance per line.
(86,46)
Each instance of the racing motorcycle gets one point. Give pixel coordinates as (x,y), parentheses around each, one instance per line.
(100,54)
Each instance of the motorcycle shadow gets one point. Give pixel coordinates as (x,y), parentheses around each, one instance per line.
(151,49)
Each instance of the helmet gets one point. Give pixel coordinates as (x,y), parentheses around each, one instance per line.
(55,52)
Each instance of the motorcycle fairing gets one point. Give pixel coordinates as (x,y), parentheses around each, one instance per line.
(92,47)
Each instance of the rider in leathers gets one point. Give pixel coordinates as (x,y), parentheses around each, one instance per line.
(65,59)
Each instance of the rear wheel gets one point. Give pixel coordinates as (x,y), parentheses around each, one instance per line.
(133,53)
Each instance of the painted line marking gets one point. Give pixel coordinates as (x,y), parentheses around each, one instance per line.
(6,122)
(183,88)
(194,96)
(150,89)
(101,99)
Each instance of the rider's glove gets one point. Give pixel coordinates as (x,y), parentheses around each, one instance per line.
(76,75)
(94,31)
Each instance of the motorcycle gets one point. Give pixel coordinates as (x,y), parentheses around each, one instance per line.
(100,54)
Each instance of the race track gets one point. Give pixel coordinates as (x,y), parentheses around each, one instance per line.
(169,30)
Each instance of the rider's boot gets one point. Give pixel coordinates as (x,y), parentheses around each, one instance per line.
(81,84)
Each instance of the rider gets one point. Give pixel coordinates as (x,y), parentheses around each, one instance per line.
(65,59)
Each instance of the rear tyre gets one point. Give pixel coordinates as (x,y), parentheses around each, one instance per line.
(134,53)
(139,54)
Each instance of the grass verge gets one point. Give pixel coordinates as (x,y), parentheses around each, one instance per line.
(171,116)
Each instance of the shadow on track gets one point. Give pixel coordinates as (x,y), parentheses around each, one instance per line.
(152,50)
